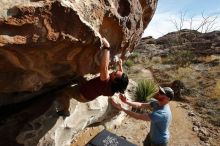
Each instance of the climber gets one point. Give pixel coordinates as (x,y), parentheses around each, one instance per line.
(106,84)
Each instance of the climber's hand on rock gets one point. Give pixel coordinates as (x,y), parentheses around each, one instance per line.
(105,43)
(123,98)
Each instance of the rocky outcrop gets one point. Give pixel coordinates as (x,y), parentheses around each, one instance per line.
(46,43)
(199,43)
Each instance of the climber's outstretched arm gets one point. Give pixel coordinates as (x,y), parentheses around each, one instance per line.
(104,74)
(144,117)
(120,68)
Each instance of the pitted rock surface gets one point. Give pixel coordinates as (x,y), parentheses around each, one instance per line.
(45,43)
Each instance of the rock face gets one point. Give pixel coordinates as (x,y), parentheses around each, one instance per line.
(45,43)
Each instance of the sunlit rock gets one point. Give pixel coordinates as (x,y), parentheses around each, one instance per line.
(46,43)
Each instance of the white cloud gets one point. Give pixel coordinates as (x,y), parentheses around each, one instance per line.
(159,25)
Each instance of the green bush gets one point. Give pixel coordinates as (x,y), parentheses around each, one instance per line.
(145,90)
(134,55)
(128,63)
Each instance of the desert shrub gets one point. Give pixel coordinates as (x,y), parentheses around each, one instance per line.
(128,63)
(134,55)
(145,90)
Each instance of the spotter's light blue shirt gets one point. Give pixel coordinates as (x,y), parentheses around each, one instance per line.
(160,120)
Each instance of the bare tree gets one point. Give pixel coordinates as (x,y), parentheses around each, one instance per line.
(207,23)
(190,23)
(179,24)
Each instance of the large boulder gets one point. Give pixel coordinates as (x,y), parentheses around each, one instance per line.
(46,43)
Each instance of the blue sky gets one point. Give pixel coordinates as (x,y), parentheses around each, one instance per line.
(168,10)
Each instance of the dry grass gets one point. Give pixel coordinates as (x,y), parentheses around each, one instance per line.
(217,89)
